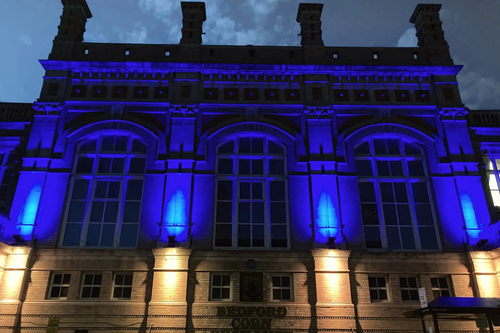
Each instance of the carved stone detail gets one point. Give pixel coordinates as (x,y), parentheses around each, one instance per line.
(453,113)
(48,109)
(184,111)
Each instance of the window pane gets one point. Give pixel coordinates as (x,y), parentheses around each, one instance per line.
(85,165)
(257,167)
(393,239)
(285,281)
(256,190)
(372,282)
(93,234)
(424,214)
(390,216)
(244,235)
(492,181)
(369,214)
(408,238)
(387,192)
(117,165)
(80,189)
(72,234)
(225,167)
(97,211)
(113,190)
(225,281)
(224,211)
(108,143)
(121,143)
(134,190)
(111,211)
(279,236)
(372,237)
(400,192)
(225,293)
(362,149)
(258,212)
(244,212)
(278,212)
(223,234)
(285,294)
(139,147)
(416,169)
(364,168)
(128,236)
(132,211)
(245,190)
(244,145)
(224,190)
(257,145)
(404,216)
(366,192)
(244,167)
(380,148)
(76,211)
(420,194)
(411,150)
(393,147)
(383,168)
(227,148)
(396,168)
(276,281)
(428,239)
(383,295)
(274,148)
(108,235)
(88,147)
(137,165)
(276,167)
(104,165)
(277,189)
(101,189)
(257,236)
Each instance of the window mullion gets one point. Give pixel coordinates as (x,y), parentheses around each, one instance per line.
(380,206)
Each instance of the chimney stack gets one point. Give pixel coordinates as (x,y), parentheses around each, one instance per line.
(193,16)
(71,29)
(309,17)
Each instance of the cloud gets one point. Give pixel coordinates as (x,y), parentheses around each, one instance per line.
(26,40)
(408,39)
(163,9)
(139,35)
(479,91)
(95,35)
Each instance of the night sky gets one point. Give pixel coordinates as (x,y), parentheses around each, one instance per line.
(471,29)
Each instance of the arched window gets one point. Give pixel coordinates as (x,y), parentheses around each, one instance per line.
(251,204)
(104,200)
(394,189)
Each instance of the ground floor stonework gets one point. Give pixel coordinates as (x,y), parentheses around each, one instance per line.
(185,290)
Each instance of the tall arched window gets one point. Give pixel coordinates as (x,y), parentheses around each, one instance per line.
(251,205)
(394,189)
(104,200)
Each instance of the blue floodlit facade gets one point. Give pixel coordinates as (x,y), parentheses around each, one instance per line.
(341,173)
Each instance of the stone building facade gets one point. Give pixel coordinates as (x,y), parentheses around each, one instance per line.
(194,188)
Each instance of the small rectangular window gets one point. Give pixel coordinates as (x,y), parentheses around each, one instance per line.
(440,287)
(382,95)
(409,289)
(91,286)
(448,94)
(230,94)
(292,95)
(99,91)
(127,52)
(422,96)
(220,287)
(251,94)
(211,53)
(141,92)
(402,95)
(251,53)
(341,95)
(86,51)
(281,288)
(78,91)
(53,88)
(378,288)
(375,55)
(59,286)
(317,93)
(415,55)
(361,95)
(335,55)
(185,91)
(161,93)
(211,93)
(272,95)
(167,53)
(120,92)
(122,286)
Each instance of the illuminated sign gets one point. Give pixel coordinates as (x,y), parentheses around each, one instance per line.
(250,318)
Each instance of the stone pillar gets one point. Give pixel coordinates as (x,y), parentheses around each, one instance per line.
(485,273)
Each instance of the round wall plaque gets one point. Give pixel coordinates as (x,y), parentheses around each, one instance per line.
(250,264)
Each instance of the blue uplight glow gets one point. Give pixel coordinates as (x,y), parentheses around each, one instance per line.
(470,216)
(327,221)
(26,218)
(176,215)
